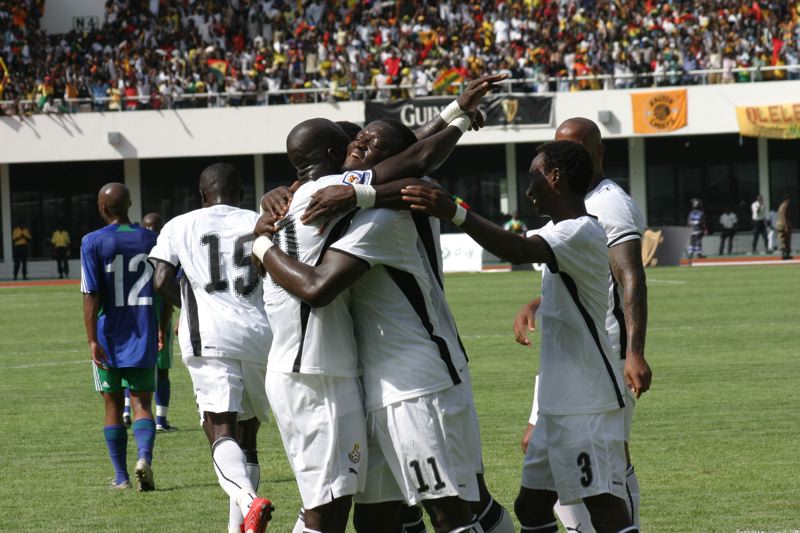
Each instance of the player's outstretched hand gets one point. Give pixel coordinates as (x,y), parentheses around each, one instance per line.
(478,121)
(98,355)
(525,321)
(637,373)
(430,199)
(526,437)
(476,89)
(329,202)
(276,202)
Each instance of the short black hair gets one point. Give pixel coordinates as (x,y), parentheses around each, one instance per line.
(222,179)
(572,161)
(407,137)
(350,129)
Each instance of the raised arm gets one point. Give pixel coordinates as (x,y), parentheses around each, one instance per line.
(165,281)
(627,268)
(315,285)
(504,244)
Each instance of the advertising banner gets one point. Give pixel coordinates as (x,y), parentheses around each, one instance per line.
(506,109)
(659,112)
(460,253)
(780,121)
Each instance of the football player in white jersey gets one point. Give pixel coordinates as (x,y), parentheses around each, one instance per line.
(414,371)
(578,453)
(626,320)
(313,367)
(224,333)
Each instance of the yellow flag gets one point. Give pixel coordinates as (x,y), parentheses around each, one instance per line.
(657,112)
(780,121)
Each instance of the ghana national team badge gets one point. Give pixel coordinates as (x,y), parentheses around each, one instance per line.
(355,454)
(352,178)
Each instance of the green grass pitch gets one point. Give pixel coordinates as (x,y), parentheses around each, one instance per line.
(715,440)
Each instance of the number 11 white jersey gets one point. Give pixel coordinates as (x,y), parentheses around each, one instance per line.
(221,292)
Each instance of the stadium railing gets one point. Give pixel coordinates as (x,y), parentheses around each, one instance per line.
(669,78)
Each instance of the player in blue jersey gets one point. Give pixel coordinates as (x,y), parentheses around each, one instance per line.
(118,311)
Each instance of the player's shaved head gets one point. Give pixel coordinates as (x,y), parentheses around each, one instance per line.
(153,222)
(220,183)
(350,129)
(316,147)
(586,133)
(113,201)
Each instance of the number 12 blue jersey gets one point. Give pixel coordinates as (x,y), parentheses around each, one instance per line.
(114,265)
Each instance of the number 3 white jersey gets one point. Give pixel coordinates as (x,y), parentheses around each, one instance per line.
(310,340)
(406,349)
(221,292)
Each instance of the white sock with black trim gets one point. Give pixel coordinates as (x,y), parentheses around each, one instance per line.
(230,466)
(634,494)
(574,517)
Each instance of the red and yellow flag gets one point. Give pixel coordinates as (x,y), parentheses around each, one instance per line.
(658,112)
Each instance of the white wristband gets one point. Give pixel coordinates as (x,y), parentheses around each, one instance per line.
(261,245)
(365,195)
(460,216)
(463,123)
(451,112)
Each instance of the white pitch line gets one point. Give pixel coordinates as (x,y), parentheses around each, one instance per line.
(59,363)
(666,281)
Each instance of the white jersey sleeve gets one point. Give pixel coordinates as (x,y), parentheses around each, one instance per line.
(222,311)
(616,211)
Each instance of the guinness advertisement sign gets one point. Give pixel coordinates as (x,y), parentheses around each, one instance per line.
(506,109)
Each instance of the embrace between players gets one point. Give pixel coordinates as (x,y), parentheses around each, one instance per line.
(366,374)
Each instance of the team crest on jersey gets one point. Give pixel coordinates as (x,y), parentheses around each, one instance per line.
(355,454)
(355,178)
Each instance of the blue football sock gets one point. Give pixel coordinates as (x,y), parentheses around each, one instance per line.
(162,391)
(144,431)
(117,442)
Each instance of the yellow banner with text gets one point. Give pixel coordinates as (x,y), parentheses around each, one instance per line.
(780,121)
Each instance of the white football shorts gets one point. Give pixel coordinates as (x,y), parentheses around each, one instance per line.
(424,448)
(323,428)
(630,407)
(223,385)
(577,456)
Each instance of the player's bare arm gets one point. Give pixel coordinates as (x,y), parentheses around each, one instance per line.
(165,281)
(504,244)
(626,265)
(315,285)
(525,321)
(164,325)
(468,102)
(91,308)
(335,199)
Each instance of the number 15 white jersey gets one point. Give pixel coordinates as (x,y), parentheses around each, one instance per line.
(221,291)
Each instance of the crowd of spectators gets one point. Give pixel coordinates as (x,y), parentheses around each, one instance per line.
(157,53)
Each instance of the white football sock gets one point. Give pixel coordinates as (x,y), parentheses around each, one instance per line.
(300,525)
(634,495)
(229,464)
(574,517)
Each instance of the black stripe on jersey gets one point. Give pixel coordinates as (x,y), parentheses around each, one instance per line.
(573,291)
(554,267)
(192,318)
(423,225)
(425,233)
(629,234)
(410,288)
(620,316)
(305,310)
(352,256)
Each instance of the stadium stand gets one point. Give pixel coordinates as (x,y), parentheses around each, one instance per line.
(217,53)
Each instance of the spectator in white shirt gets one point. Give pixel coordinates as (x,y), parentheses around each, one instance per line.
(728,221)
